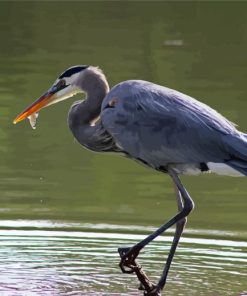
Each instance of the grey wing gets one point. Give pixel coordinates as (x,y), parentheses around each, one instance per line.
(162,126)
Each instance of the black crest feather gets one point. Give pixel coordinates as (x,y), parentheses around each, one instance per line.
(71,71)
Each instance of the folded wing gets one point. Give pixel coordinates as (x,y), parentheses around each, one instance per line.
(161,126)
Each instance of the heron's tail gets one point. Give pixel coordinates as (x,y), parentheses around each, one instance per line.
(237,148)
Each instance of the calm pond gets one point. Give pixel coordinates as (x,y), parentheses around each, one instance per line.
(65,210)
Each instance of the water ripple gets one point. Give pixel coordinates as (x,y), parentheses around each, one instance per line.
(52,258)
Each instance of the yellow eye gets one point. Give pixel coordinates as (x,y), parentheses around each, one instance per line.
(61,84)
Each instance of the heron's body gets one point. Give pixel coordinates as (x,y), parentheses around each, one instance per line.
(157,126)
(162,127)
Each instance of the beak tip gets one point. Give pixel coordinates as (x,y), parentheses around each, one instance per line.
(16,120)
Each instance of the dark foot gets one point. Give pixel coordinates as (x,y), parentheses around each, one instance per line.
(128,259)
(128,256)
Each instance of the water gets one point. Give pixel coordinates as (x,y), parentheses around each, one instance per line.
(59,258)
(65,210)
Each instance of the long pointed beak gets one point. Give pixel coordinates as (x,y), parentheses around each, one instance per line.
(40,103)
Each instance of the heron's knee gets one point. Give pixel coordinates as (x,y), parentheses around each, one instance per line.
(189,206)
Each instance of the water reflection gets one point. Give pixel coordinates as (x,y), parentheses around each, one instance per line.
(49,257)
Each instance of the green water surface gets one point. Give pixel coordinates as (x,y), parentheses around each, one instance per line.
(65,210)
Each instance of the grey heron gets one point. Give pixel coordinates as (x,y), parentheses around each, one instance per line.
(160,127)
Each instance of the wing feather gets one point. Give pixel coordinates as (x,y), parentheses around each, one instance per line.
(160,125)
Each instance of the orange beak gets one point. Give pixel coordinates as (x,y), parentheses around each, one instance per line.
(40,103)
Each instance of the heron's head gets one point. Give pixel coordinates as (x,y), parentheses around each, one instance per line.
(66,85)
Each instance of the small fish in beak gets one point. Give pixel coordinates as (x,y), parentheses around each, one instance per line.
(33,119)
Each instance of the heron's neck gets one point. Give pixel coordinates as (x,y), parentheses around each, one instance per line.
(95,85)
(83,113)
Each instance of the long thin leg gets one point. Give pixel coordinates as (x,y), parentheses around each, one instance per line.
(151,289)
(179,230)
(131,254)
